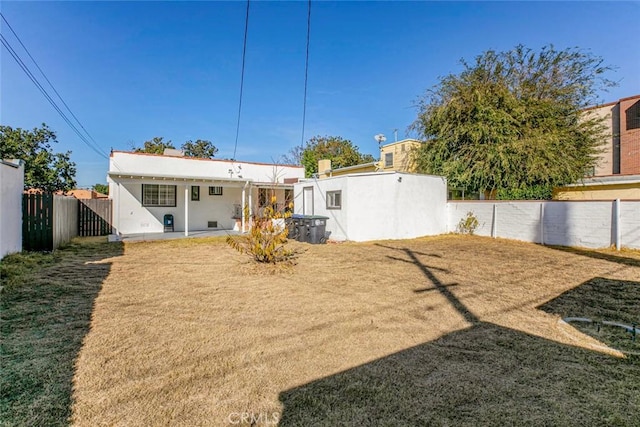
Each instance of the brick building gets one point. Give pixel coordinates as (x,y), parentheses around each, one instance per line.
(621,154)
(617,174)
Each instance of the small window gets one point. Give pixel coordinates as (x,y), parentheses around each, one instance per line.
(195,193)
(334,199)
(388,160)
(215,191)
(158,195)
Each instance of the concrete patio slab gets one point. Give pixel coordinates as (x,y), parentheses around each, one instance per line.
(144,237)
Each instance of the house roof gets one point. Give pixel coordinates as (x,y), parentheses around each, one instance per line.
(15,163)
(609,104)
(403,141)
(607,180)
(348,168)
(168,177)
(204,160)
(185,179)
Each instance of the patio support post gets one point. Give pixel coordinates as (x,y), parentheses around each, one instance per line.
(244,195)
(250,204)
(116,218)
(186,210)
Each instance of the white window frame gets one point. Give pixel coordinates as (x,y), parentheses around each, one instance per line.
(334,199)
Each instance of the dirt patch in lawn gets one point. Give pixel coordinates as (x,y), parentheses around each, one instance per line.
(444,330)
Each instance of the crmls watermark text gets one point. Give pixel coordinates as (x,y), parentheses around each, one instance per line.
(252,418)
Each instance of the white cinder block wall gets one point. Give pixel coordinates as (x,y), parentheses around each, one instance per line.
(630,223)
(11,187)
(589,224)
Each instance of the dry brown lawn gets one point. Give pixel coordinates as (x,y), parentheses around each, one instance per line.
(437,331)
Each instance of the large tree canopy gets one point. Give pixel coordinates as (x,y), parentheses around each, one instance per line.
(44,169)
(512,122)
(341,152)
(200,148)
(101,188)
(156,145)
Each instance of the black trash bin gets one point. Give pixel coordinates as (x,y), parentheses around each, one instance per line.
(292,226)
(317,226)
(168,222)
(311,228)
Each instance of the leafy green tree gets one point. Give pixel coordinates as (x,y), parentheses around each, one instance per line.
(101,188)
(44,169)
(341,152)
(512,123)
(154,146)
(201,148)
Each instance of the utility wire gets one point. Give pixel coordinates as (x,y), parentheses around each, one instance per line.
(306,75)
(48,81)
(244,54)
(35,81)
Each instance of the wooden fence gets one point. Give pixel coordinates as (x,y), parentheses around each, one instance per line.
(94,217)
(49,221)
(37,222)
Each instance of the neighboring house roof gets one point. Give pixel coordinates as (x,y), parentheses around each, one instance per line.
(607,180)
(355,167)
(82,193)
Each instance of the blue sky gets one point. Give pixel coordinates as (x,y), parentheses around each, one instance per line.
(134,70)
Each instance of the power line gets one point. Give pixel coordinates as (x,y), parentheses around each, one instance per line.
(95,147)
(244,54)
(35,81)
(48,81)
(306,75)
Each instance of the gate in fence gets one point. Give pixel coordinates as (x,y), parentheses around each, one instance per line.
(37,222)
(94,217)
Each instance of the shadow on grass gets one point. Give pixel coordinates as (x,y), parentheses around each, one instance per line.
(45,314)
(602,299)
(483,375)
(618,259)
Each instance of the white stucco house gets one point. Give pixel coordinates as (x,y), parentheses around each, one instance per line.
(11,188)
(376,205)
(199,194)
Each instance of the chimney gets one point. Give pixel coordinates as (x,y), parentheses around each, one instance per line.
(324,168)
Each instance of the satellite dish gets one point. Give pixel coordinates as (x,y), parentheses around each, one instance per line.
(380,138)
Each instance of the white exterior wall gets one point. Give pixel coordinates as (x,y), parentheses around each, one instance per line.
(589,224)
(380,205)
(129,171)
(133,217)
(11,187)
